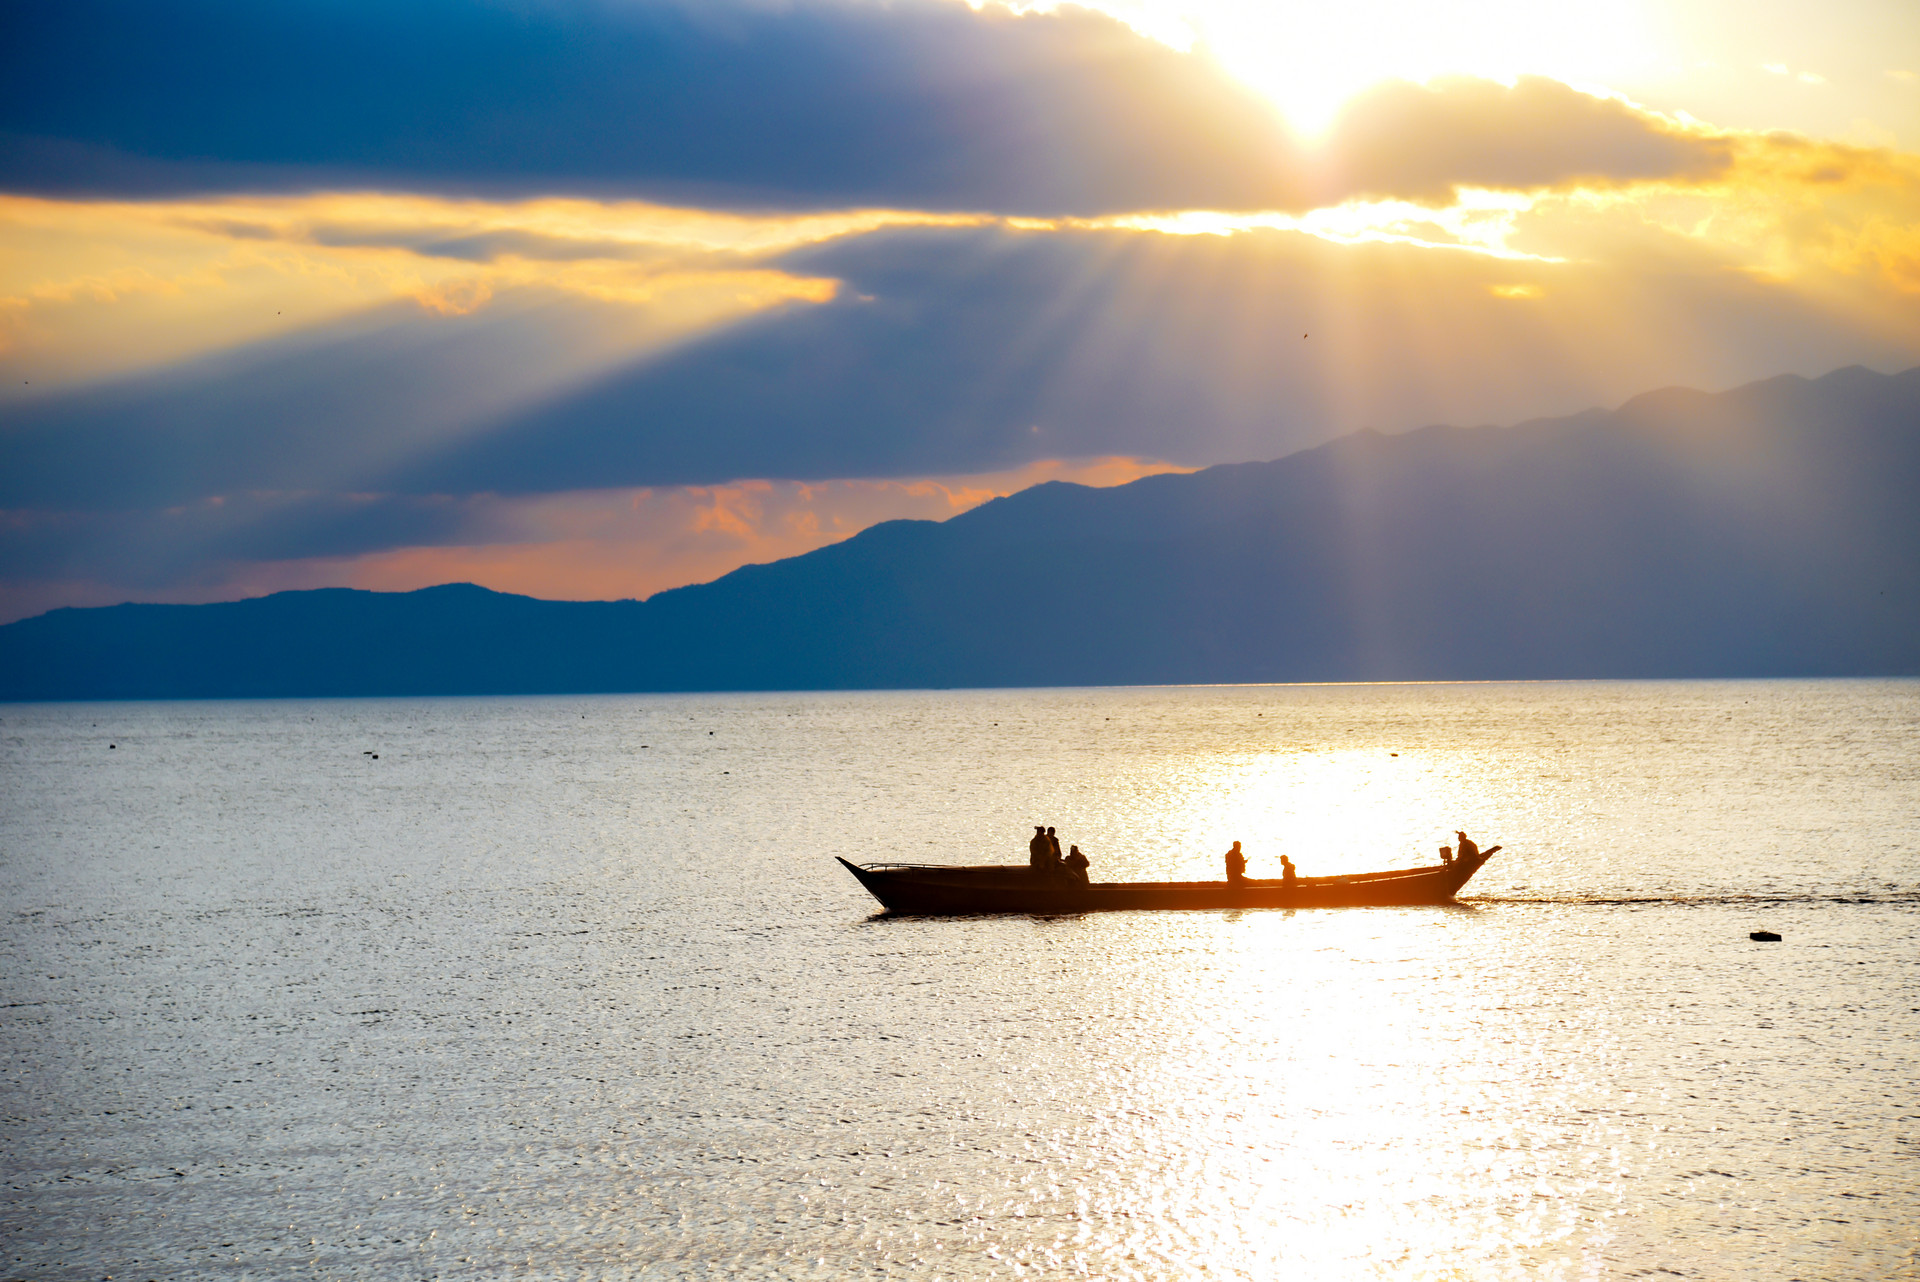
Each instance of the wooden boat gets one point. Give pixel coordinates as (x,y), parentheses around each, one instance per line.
(1016,888)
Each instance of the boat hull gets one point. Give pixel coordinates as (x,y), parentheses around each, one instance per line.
(932,890)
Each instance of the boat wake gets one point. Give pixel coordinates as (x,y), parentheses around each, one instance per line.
(1885,897)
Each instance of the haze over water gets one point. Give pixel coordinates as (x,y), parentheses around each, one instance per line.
(572,987)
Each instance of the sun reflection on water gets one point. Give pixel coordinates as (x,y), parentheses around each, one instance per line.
(1278,1123)
(1332,808)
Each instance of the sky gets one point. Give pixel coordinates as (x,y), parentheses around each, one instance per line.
(590,299)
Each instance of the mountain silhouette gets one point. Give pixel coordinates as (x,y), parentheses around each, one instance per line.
(1772,530)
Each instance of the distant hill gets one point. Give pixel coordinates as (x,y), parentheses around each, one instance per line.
(1773,530)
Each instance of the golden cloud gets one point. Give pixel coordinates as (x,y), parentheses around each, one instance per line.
(1426,143)
(457,297)
(1833,220)
(93,289)
(1782,207)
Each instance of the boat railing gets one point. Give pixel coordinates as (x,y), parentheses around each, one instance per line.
(895,864)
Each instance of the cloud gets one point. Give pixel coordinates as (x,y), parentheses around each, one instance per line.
(922,104)
(961,350)
(590,545)
(487,246)
(1839,223)
(939,351)
(336,406)
(147,548)
(821,104)
(1425,142)
(90,292)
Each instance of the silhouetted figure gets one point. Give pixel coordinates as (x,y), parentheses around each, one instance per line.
(1236,866)
(1039,850)
(1053,849)
(1286,871)
(1076,865)
(1446,855)
(1466,847)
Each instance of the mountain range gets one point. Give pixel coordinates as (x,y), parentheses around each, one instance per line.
(1772,530)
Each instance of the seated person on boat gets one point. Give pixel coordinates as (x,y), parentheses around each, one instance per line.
(1076,865)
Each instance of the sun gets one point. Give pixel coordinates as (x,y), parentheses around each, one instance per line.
(1310,56)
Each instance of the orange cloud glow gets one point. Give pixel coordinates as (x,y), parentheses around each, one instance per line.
(609,545)
(615,544)
(1834,223)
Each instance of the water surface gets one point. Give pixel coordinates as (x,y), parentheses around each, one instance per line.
(573,988)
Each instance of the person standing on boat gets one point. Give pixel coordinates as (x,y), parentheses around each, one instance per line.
(1236,866)
(1468,851)
(1039,850)
(1286,871)
(1053,850)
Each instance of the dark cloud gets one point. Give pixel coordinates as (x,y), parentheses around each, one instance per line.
(146,548)
(952,351)
(334,409)
(922,103)
(1423,142)
(947,351)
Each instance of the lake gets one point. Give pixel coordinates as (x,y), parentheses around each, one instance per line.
(573,987)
